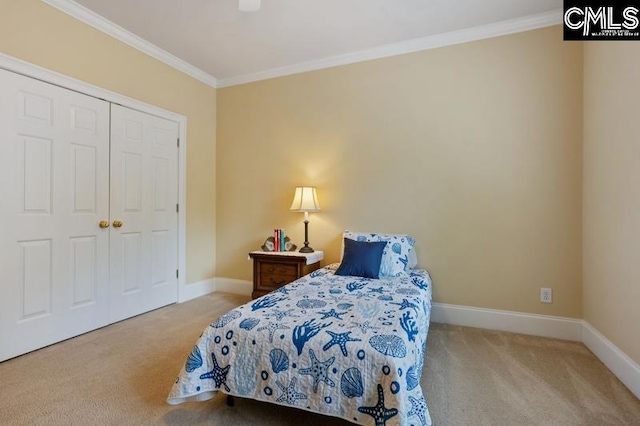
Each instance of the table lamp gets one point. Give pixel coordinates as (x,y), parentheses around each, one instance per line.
(305,200)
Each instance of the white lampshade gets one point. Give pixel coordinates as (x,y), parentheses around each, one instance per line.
(305,200)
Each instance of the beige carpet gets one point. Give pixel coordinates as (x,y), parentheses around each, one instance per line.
(121,374)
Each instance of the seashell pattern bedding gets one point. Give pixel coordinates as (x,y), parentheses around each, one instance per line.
(341,346)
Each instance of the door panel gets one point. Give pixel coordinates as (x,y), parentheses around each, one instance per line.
(35,279)
(54,169)
(34,170)
(83,166)
(84,268)
(144,176)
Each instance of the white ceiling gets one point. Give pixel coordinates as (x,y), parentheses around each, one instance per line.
(213,36)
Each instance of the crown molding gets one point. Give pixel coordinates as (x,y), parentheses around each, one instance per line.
(100,23)
(527,23)
(531,22)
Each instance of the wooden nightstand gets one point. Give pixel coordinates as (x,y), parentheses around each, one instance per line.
(272,270)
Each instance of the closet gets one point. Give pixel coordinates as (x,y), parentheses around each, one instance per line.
(88,213)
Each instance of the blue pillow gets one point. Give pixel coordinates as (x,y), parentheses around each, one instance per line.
(397,256)
(361,258)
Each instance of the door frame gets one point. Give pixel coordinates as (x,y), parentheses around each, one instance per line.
(28,69)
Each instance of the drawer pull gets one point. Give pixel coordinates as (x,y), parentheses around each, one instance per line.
(277,282)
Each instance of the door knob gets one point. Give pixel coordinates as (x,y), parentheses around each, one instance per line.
(117,224)
(103,224)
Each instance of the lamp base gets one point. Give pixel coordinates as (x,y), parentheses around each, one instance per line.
(306,249)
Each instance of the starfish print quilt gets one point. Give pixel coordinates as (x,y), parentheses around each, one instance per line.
(340,346)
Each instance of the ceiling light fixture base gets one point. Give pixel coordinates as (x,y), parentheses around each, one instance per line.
(248,5)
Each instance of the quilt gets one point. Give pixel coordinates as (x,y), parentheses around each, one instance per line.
(340,346)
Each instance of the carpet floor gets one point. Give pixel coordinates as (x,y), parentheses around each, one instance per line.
(121,375)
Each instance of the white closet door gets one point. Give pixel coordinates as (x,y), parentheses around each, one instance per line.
(54,174)
(144,196)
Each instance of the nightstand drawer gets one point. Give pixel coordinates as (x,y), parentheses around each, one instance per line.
(275,275)
(280,269)
(274,270)
(272,282)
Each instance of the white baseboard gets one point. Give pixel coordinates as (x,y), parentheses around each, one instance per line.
(197,289)
(515,322)
(204,287)
(563,328)
(627,370)
(232,285)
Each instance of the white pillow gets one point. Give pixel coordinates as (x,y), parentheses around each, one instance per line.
(398,255)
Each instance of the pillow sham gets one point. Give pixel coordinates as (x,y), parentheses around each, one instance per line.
(413,259)
(361,258)
(396,257)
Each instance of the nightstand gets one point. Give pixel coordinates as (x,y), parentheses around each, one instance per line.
(272,270)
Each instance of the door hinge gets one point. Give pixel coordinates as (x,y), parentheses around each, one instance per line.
(177,208)
(177,273)
(178,142)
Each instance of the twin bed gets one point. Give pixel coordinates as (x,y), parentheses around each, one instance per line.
(343,346)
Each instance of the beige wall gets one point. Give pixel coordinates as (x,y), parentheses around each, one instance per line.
(37,33)
(612,192)
(474,149)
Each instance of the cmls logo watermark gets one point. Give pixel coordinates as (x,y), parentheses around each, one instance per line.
(587,20)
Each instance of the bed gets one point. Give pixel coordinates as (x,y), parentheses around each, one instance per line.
(345,346)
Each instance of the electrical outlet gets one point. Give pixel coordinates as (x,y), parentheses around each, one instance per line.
(546,295)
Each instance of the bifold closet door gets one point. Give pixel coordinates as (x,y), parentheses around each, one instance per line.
(144,217)
(54,191)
